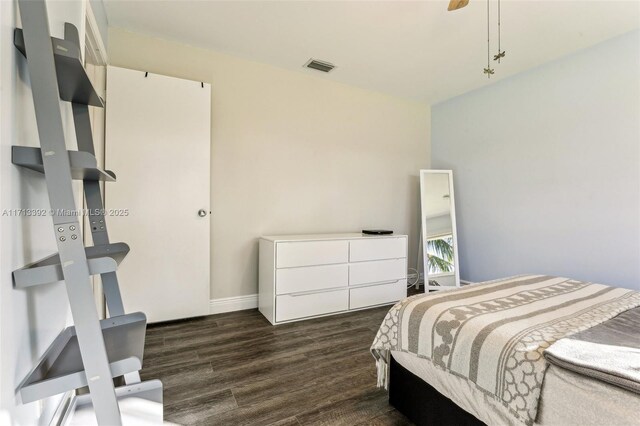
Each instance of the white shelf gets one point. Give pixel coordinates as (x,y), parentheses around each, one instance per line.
(61,369)
(101,259)
(84,165)
(74,84)
(140,404)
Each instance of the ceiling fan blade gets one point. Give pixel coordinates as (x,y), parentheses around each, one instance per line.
(457,4)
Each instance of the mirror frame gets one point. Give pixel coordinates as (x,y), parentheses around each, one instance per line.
(454,231)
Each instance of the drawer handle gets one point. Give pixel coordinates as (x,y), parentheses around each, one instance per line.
(306,293)
(376,283)
(377,260)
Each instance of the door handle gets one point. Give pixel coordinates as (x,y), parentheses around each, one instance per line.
(202,212)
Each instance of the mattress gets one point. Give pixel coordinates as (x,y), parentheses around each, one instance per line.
(494,334)
(567,398)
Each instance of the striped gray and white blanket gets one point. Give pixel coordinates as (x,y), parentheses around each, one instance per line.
(493,334)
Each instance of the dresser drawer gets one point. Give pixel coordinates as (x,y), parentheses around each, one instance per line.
(292,280)
(308,253)
(377,248)
(377,271)
(379,294)
(293,306)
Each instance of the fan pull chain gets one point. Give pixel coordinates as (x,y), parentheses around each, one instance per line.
(501,53)
(488,70)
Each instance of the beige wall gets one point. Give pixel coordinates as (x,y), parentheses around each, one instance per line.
(292,153)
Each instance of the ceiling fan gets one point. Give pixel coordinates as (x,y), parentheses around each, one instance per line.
(457,4)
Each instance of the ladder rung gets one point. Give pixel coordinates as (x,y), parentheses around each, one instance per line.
(101,259)
(84,165)
(140,403)
(61,369)
(74,84)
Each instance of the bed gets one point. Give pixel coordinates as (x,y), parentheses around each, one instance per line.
(482,354)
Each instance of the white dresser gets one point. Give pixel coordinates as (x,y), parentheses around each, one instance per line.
(305,276)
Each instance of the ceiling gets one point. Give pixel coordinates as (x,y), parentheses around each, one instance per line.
(411,49)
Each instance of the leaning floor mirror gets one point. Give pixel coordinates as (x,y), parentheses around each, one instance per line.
(439,244)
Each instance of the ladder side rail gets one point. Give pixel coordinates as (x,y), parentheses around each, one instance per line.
(57,169)
(93,196)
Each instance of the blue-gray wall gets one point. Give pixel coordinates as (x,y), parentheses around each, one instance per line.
(547,168)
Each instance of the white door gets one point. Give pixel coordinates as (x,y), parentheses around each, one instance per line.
(158,143)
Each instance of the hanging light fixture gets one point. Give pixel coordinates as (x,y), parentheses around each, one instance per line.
(501,53)
(459,4)
(488,70)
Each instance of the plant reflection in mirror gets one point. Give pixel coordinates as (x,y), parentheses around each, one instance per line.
(440,254)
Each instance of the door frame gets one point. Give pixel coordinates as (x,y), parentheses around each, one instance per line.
(94,46)
(93,38)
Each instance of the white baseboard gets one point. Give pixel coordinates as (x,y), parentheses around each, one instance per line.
(230,304)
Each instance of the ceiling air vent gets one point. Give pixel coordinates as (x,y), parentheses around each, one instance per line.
(319,65)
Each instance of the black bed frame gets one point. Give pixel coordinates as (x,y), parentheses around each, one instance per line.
(421,403)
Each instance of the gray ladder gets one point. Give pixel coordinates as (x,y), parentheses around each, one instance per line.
(92,352)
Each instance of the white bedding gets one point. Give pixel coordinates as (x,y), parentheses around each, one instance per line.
(567,398)
(493,335)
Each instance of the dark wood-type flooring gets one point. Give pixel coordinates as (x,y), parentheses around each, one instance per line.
(237,369)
